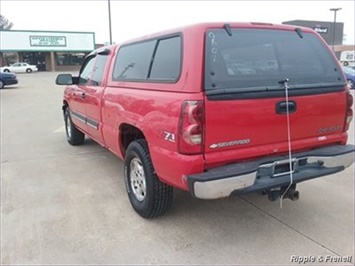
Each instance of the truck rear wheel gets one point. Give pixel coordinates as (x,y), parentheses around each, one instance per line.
(74,136)
(148,195)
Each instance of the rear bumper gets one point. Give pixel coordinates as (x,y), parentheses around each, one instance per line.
(260,175)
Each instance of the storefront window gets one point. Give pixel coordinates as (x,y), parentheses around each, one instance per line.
(70,59)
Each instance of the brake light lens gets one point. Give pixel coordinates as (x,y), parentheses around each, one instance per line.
(349,111)
(191,127)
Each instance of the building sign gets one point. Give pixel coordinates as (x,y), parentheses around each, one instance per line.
(48,41)
(320,29)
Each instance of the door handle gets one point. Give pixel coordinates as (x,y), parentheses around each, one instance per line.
(281,107)
(83,95)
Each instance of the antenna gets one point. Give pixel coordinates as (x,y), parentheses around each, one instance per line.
(285,83)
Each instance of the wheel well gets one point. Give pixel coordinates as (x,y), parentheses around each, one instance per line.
(129,133)
(65,106)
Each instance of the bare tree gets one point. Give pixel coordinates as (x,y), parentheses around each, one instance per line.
(5,24)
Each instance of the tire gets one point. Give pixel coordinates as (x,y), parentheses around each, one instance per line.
(28,70)
(351,84)
(149,196)
(345,63)
(74,136)
(2,84)
(6,70)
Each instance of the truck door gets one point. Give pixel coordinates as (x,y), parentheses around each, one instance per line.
(78,100)
(93,95)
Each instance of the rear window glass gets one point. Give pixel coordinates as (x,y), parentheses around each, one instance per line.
(253,59)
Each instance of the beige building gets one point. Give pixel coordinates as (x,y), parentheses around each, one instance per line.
(345,47)
(49,50)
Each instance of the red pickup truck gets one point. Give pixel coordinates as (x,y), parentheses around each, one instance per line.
(217,109)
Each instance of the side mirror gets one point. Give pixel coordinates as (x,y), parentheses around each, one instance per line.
(64,79)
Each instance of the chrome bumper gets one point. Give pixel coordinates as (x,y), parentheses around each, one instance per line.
(267,173)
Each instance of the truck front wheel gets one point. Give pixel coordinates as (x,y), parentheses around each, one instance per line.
(74,136)
(148,195)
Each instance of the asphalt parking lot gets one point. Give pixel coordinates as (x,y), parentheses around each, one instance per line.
(68,205)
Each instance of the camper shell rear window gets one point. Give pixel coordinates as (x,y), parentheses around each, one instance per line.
(251,60)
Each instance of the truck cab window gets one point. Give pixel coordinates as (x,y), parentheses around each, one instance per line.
(98,70)
(85,72)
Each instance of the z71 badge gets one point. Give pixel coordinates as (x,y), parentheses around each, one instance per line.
(166,135)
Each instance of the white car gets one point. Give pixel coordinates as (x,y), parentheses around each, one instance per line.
(19,67)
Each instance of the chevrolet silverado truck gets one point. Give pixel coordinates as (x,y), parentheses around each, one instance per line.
(217,109)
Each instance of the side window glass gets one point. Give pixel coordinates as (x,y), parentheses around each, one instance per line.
(86,71)
(167,60)
(16,65)
(98,70)
(133,61)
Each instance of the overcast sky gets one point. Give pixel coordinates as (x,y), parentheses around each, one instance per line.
(131,19)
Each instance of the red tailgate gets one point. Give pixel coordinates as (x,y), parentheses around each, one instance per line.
(238,124)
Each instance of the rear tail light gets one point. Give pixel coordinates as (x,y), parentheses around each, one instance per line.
(349,111)
(191,127)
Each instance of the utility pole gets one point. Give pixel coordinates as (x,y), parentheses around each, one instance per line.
(335,10)
(109,20)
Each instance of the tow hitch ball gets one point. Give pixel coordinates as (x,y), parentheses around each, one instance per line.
(291,194)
